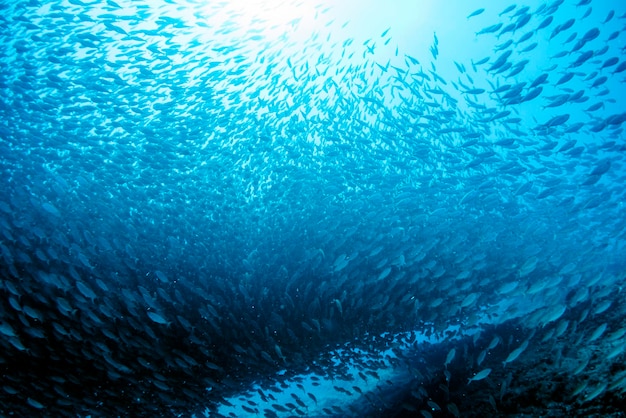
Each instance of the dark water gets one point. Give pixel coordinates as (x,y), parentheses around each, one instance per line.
(303,209)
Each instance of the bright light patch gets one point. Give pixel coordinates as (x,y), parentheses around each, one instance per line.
(276,13)
(266,19)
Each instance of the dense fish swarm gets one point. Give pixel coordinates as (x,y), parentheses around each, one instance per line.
(193,201)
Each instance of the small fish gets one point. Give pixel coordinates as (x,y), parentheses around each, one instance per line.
(565,78)
(479,376)
(591,35)
(161,276)
(602,167)
(490,29)
(503,46)
(155,317)
(51,209)
(34,403)
(584,57)
(545,23)
(524,37)
(522,21)
(532,94)
(539,80)
(508,9)
(476,13)
(620,68)
(571,38)
(557,120)
(530,47)
(601,51)
(599,81)
(450,357)
(482,61)
(508,28)
(474,91)
(496,340)
(596,392)
(85,290)
(595,107)
(597,333)
(610,62)
(516,353)
(613,35)
(7,330)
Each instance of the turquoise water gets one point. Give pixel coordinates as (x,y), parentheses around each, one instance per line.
(256,208)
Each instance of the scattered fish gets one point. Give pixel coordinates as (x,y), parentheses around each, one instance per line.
(203,212)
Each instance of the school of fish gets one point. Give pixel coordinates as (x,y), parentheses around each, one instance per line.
(193,208)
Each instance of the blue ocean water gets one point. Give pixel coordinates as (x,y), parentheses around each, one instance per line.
(290,208)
